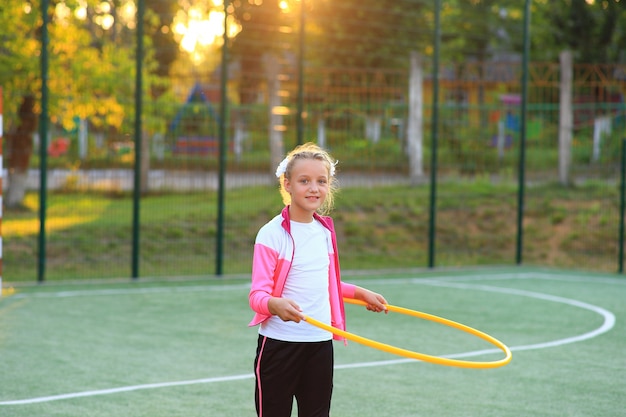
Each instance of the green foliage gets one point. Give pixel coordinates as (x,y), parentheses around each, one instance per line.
(364,155)
(476,29)
(470,150)
(600,21)
(339,38)
(19,62)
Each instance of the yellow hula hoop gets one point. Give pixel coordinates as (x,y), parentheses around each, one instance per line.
(415,355)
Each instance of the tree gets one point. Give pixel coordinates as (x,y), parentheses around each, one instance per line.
(262,34)
(91,72)
(368,33)
(160,18)
(18,69)
(593,31)
(480,30)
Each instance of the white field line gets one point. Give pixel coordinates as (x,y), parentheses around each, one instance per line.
(132,291)
(452,282)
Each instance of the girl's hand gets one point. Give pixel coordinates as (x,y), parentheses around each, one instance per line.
(286,309)
(375,302)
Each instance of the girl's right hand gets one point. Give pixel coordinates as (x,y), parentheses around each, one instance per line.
(285,308)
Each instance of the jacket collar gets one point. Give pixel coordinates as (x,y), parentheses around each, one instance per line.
(325,221)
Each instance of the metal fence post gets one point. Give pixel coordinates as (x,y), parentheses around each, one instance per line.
(522,151)
(43,143)
(435,134)
(622,206)
(219,247)
(1,203)
(138,138)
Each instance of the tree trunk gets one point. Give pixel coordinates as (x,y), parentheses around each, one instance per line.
(19,150)
(565,118)
(415,134)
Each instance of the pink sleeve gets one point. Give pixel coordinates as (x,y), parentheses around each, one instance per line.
(264,264)
(348,289)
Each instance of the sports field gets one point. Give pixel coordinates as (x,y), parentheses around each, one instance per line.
(182,347)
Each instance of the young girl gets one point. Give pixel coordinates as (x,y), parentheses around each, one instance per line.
(295,270)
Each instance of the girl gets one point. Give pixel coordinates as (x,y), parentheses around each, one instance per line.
(295,269)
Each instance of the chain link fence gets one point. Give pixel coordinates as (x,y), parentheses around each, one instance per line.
(363,92)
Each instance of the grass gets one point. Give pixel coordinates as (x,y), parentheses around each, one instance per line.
(90,235)
(174,347)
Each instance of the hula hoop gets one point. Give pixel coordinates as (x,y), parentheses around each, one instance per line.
(438,360)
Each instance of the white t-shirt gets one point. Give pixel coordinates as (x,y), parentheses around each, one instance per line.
(306,284)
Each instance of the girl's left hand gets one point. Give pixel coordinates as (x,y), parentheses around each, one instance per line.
(375,302)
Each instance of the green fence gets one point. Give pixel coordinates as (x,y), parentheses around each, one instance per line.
(177,182)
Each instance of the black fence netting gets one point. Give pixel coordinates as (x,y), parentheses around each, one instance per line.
(422,102)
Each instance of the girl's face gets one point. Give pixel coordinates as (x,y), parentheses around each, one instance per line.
(308,187)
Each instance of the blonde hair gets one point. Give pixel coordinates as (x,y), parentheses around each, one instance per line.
(309,151)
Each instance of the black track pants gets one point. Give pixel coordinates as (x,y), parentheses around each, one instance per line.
(284,370)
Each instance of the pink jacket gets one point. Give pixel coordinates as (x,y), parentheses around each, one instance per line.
(273,254)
